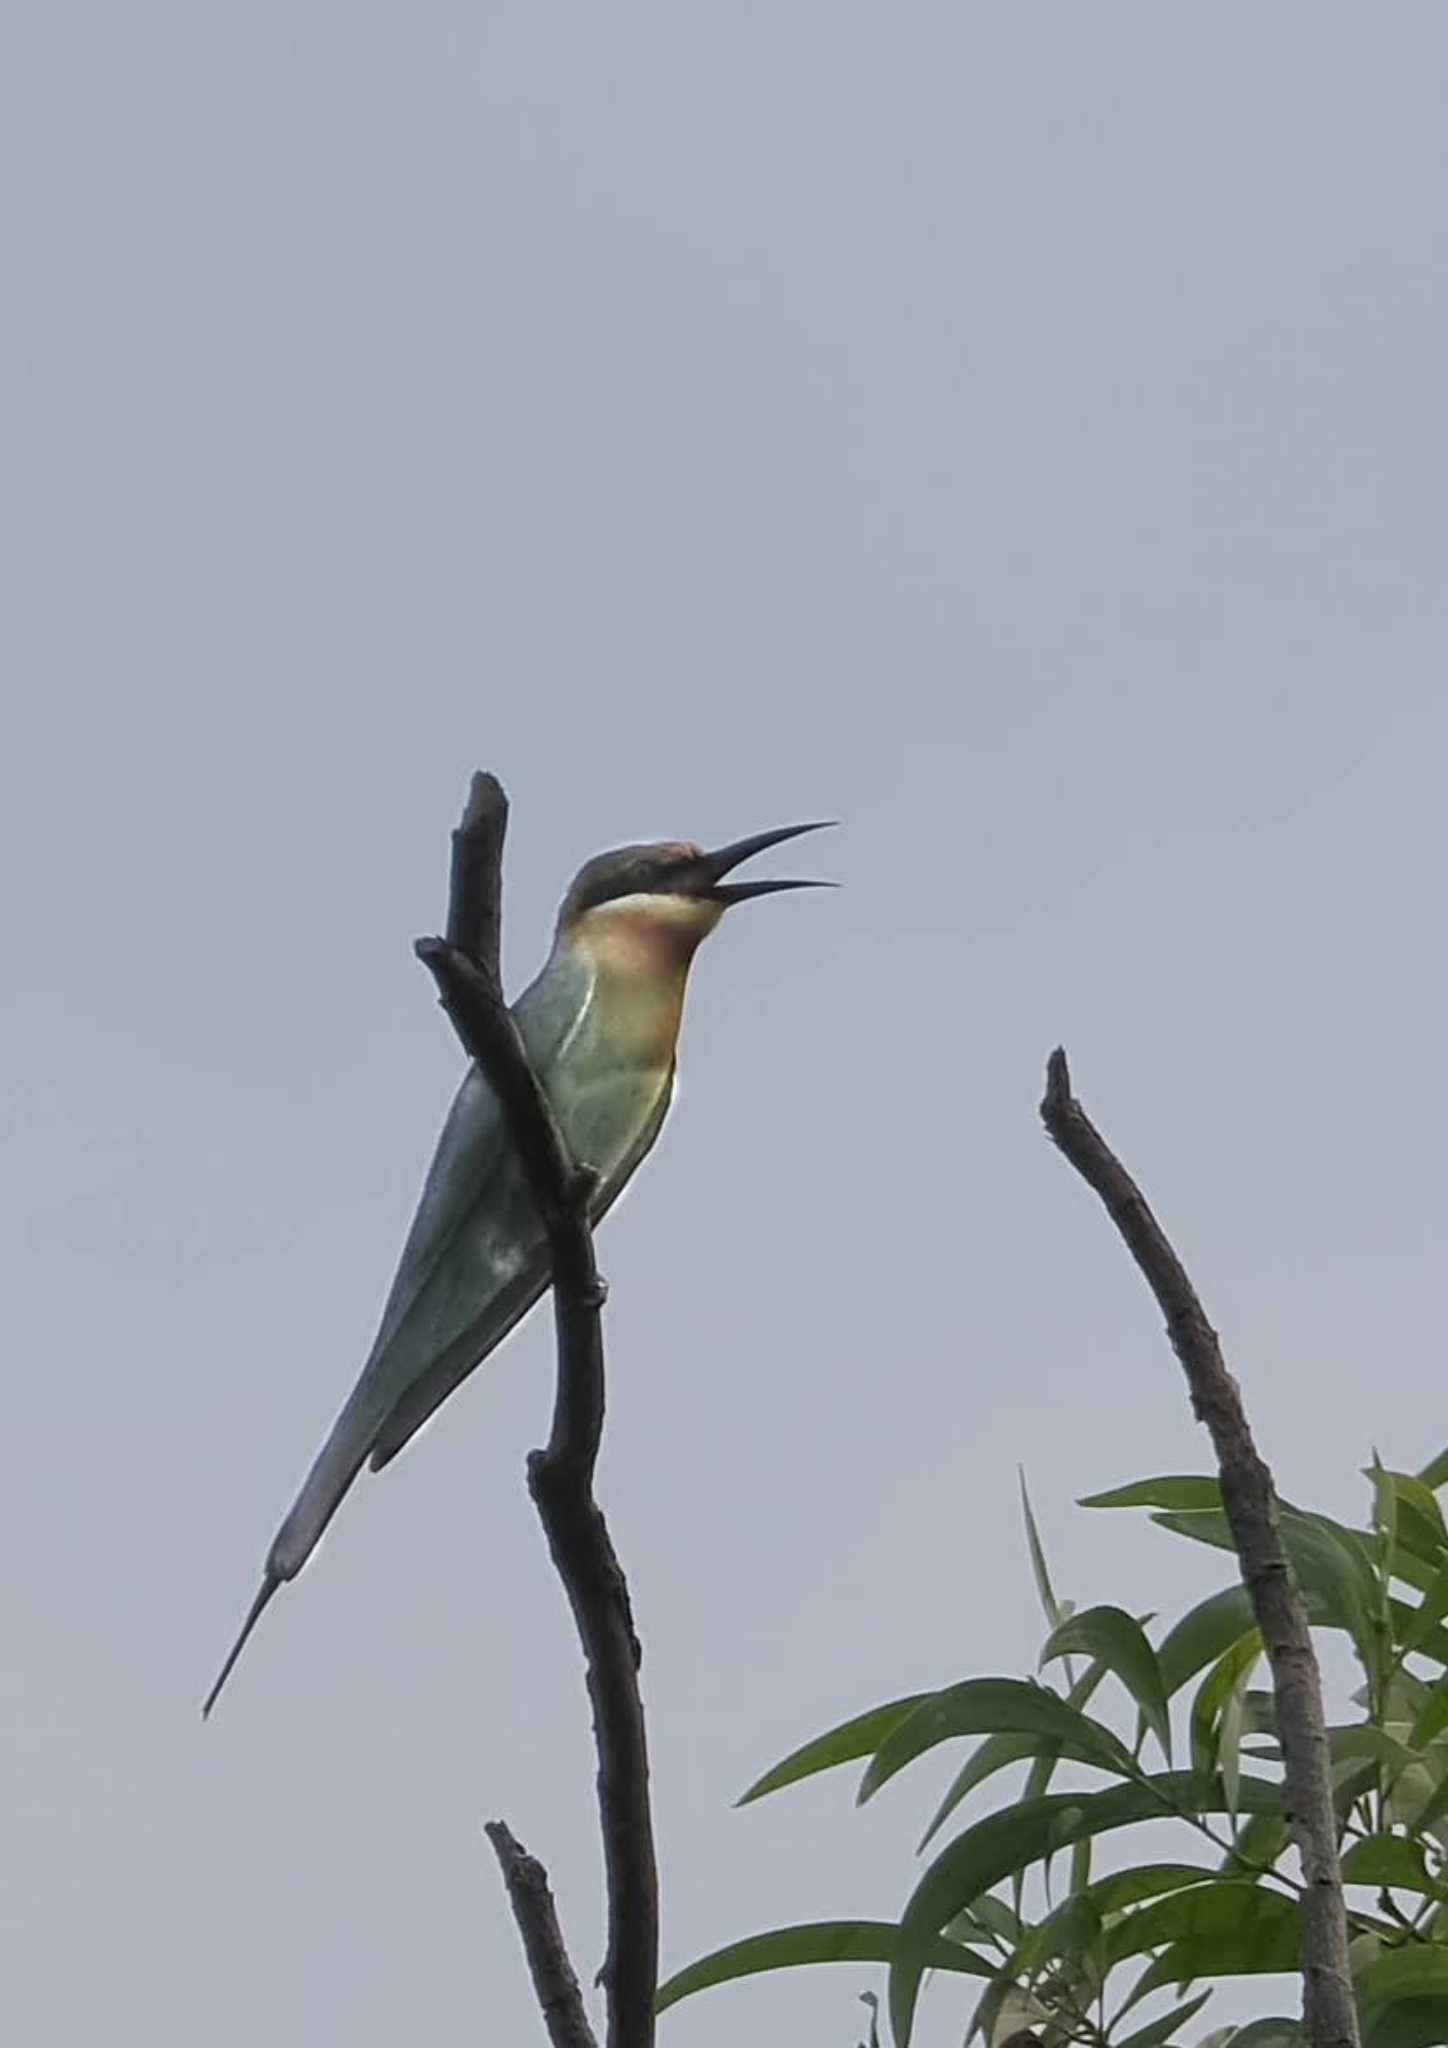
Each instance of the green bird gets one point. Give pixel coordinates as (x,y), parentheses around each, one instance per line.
(600,1023)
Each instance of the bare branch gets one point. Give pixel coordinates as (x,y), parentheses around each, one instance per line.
(559,1997)
(560,1477)
(475,898)
(1250,1502)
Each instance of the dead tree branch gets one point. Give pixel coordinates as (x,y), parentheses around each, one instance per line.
(1250,1502)
(559,1997)
(560,1477)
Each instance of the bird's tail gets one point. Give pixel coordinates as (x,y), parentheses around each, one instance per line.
(333,1470)
(268,1586)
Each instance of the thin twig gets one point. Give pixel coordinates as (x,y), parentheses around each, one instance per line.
(1250,1502)
(559,1997)
(560,1477)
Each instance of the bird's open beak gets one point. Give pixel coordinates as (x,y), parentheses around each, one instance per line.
(713,866)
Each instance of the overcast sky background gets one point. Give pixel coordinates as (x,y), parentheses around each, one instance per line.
(1016,432)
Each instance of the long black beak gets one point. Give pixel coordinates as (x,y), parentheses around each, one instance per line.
(715,865)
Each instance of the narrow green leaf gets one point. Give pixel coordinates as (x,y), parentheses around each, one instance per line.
(1178,1490)
(1005,1843)
(1044,1767)
(1226,1678)
(996,1753)
(1276,2031)
(1426,1616)
(1415,1566)
(1362,1739)
(1005,2010)
(1111,1634)
(1221,1912)
(997,1918)
(1202,1635)
(996,1706)
(1403,1997)
(1260,1841)
(1435,1472)
(1155,2032)
(1229,1746)
(1428,1639)
(1385,1511)
(1432,1810)
(1265,1940)
(1413,1788)
(1202,1525)
(1106,1900)
(1332,1564)
(1049,1603)
(1389,1860)
(820,1941)
(1432,1716)
(852,1739)
(1418,1506)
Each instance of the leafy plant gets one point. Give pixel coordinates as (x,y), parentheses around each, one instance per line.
(1110,1960)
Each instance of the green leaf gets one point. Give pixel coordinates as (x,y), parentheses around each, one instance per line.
(820,1941)
(1426,1616)
(1005,2011)
(1175,1491)
(1222,1913)
(1385,1511)
(1261,1933)
(1332,1564)
(1202,1525)
(1049,1603)
(842,1745)
(1225,1680)
(1435,1472)
(1155,2032)
(1275,2032)
(1432,1717)
(1403,1997)
(996,1706)
(1432,1809)
(1044,1768)
(1363,1739)
(1260,1841)
(996,1753)
(1420,1517)
(1005,1843)
(1229,1746)
(1201,1636)
(1353,1779)
(1105,1900)
(1111,1634)
(1389,1860)
(996,1917)
(1428,1639)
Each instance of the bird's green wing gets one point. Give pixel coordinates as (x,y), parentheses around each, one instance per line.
(475,1242)
(452,1367)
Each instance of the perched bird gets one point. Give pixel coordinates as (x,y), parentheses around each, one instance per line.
(600,1024)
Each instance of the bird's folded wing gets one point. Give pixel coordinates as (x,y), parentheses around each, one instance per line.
(475,1233)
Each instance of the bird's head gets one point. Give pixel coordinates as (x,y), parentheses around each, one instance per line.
(663,899)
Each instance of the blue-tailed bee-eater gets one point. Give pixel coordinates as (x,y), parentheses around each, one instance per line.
(600,1024)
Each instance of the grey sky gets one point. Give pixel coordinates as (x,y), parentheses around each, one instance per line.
(1017,432)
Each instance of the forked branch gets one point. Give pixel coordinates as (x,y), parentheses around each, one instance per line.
(1250,1502)
(560,1477)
